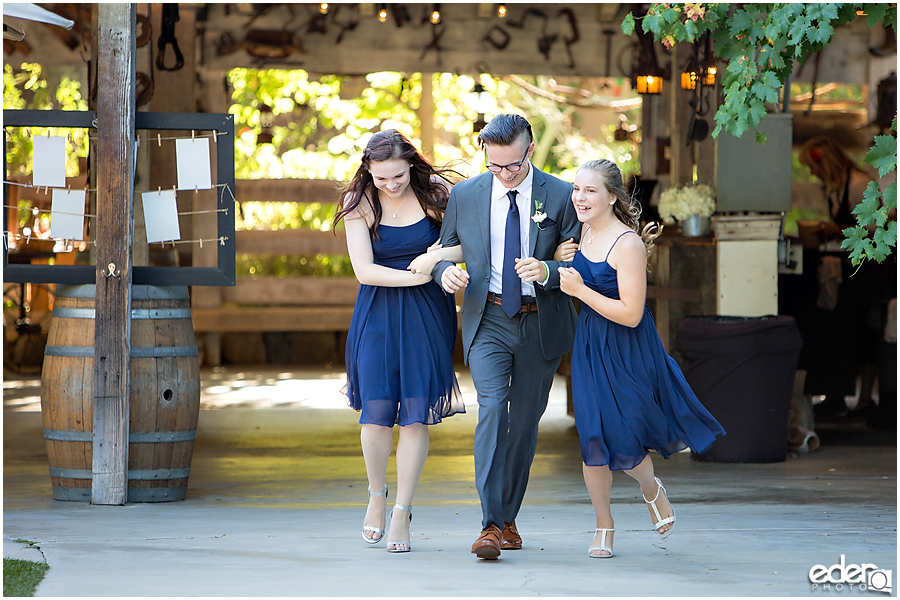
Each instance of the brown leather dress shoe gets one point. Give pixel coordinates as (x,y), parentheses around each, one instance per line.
(488,543)
(511,538)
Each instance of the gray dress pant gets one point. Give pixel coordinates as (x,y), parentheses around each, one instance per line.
(512,379)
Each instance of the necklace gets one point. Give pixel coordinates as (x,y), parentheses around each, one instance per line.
(591,239)
(391,208)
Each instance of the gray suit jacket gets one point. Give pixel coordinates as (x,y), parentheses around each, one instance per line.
(467,222)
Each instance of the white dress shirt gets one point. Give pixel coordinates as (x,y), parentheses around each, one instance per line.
(499,210)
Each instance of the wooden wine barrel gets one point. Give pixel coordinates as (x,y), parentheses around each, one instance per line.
(164,394)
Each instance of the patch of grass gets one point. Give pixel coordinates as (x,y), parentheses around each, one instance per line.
(21,577)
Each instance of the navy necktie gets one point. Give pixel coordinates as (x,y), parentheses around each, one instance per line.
(511,297)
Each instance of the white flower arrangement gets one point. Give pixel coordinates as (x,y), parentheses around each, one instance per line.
(692,200)
(538,216)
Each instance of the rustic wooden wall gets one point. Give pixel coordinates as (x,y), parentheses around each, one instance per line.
(466,40)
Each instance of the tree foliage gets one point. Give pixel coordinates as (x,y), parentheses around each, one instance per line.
(876,233)
(27,88)
(760,43)
(322,123)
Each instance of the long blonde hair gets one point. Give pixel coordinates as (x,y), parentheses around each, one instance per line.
(828,161)
(626,208)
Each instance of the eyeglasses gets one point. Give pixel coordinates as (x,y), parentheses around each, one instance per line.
(512,168)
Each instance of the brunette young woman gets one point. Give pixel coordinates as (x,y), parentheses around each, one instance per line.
(400,343)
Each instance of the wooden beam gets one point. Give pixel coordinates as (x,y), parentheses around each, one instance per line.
(302,242)
(658,292)
(115,196)
(273,319)
(318,291)
(287,190)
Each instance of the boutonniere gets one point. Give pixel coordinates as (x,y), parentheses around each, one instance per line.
(538,216)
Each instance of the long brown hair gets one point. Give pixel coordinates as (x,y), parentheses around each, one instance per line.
(390,144)
(626,208)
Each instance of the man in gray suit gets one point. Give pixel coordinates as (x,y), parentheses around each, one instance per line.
(516,323)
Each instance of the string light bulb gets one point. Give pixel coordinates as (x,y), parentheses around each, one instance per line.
(382,13)
(436,14)
(323,8)
(502,11)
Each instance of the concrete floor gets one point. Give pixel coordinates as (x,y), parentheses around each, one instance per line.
(278,491)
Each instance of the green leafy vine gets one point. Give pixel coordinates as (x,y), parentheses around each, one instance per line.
(760,43)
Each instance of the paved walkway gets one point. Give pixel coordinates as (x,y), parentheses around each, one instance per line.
(277,496)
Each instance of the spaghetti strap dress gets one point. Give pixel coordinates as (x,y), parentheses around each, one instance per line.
(629,396)
(399,352)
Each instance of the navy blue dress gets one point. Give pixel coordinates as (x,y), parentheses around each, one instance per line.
(629,396)
(399,353)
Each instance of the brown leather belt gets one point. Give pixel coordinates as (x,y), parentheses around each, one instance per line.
(527,307)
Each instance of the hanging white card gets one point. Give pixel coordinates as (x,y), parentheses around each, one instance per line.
(67,214)
(49,162)
(161,216)
(192,160)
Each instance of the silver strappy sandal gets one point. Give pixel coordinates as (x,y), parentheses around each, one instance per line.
(400,546)
(375,530)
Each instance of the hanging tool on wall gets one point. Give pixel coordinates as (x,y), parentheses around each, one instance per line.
(400,14)
(146,31)
(144,84)
(436,32)
(167,37)
(546,40)
(350,25)
(262,43)
(574,37)
(498,44)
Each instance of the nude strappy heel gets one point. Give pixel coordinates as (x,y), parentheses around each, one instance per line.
(602,547)
(660,522)
(400,546)
(375,530)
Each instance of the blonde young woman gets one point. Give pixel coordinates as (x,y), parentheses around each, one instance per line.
(629,396)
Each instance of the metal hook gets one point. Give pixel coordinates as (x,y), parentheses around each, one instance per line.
(110,270)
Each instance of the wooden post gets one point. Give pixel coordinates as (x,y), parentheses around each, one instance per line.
(681,155)
(115,199)
(426,115)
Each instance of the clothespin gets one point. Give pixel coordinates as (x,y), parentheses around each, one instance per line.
(222,240)
(195,188)
(159,139)
(159,190)
(201,242)
(70,188)
(215,137)
(48,134)
(192,135)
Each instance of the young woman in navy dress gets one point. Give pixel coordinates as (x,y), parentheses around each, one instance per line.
(399,354)
(629,396)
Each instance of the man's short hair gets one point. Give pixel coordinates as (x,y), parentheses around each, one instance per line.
(504,130)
